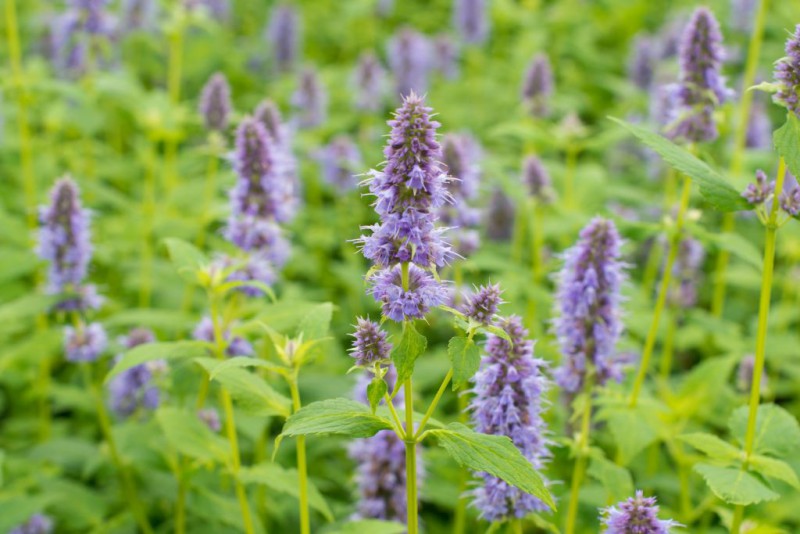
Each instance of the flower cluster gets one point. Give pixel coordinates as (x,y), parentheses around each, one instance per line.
(210,417)
(686,271)
(409,190)
(588,320)
(341,162)
(537,86)
(77,36)
(234,346)
(369,83)
(283,34)
(787,75)
(637,515)
(445,56)
(369,345)
(482,306)
(460,154)
(537,179)
(471,19)
(310,99)
(410,59)
(134,388)
(702,88)
(761,191)
(215,103)
(36,524)
(509,401)
(642,62)
(85,342)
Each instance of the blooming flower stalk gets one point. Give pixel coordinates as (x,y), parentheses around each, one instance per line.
(369,83)
(461,155)
(787,75)
(410,58)
(537,86)
(482,305)
(36,524)
(445,56)
(537,180)
(310,99)
(500,216)
(283,35)
(341,162)
(642,62)
(588,321)
(215,103)
(85,342)
(509,401)
(471,20)
(370,345)
(77,34)
(135,388)
(637,515)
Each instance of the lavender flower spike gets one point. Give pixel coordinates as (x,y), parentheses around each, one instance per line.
(310,99)
(85,343)
(369,83)
(370,345)
(283,35)
(588,320)
(134,388)
(510,389)
(341,163)
(642,62)
(410,60)
(482,306)
(759,192)
(702,87)
(36,524)
(215,102)
(461,154)
(787,75)
(471,19)
(637,515)
(537,86)
(537,179)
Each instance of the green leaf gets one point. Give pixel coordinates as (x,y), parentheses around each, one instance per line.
(787,143)
(714,188)
(777,431)
(632,428)
(412,344)
(373,526)
(25,307)
(335,416)
(615,479)
(190,436)
(251,392)
(465,357)
(735,486)
(283,480)
(186,258)
(376,389)
(316,322)
(168,350)
(495,455)
(770,467)
(712,446)
(244,362)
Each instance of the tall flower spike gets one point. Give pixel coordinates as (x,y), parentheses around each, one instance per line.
(471,19)
(509,400)
(310,99)
(134,388)
(369,83)
(702,88)
(381,465)
(461,154)
(85,342)
(64,241)
(787,75)
(536,177)
(77,33)
(269,115)
(36,524)
(369,344)
(537,86)
(410,60)
(283,35)
(215,102)
(445,56)
(482,306)
(500,216)
(588,317)
(341,163)
(637,515)
(642,62)
(686,271)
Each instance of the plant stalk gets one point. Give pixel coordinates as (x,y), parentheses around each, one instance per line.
(302,469)
(411,460)
(580,460)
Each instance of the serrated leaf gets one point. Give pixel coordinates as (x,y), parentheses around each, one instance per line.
(615,479)
(186,258)
(316,322)
(712,446)
(633,430)
(787,143)
(283,480)
(242,363)
(777,431)
(714,188)
(465,358)
(335,416)
(376,389)
(168,350)
(495,455)
(190,436)
(770,467)
(250,392)
(497,331)
(412,344)
(735,486)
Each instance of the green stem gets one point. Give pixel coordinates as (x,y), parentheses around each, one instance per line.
(672,255)
(738,516)
(740,137)
(180,506)
(763,317)
(669,344)
(569,176)
(302,469)
(516,526)
(395,418)
(128,487)
(208,197)
(434,403)
(581,460)
(148,213)
(411,460)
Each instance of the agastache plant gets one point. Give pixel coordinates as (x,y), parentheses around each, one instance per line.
(636,515)
(310,99)
(283,35)
(410,58)
(461,154)
(37,524)
(135,388)
(445,56)
(369,83)
(80,35)
(471,19)
(215,103)
(537,86)
(340,162)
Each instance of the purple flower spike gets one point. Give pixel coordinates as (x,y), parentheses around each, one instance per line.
(134,388)
(787,75)
(588,301)
(471,19)
(702,87)
(341,163)
(687,271)
(424,292)
(268,114)
(210,417)
(236,346)
(410,60)
(759,127)
(283,35)
(461,154)
(637,515)
(310,99)
(482,306)
(536,177)
(36,524)
(500,216)
(642,62)
(139,14)
(445,56)
(790,201)
(85,343)
(77,34)
(369,83)
(759,192)
(510,388)
(537,86)
(215,103)
(370,345)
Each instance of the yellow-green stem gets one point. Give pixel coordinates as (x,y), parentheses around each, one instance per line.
(672,255)
(738,516)
(208,198)
(302,469)
(460,521)
(739,139)
(411,460)
(669,346)
(569,176)
(434,403)
(148,213)
(581,459)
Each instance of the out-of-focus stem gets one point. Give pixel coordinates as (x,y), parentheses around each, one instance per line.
(581,459)
(302,469)
(148,213)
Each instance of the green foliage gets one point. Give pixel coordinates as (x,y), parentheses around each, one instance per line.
(376,389)
(712,446)
(168,350)
(251,392)
(281,480)
(411,346)
(787,143)
(777,431)
(734,485)
(188,435)
(616,480)
(186,258)
(465,358)
(335,416)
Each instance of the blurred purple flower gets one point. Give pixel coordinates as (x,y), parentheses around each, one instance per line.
(215,103)
(744,375)
(642,62)
(759,127)
(537,86)
(85,342)
(687,271)
(471,19)
(461,154)
(235,346)
(410,58)
(36,524)
(310,99)
(787,75)
(283,35)
(210,417)
(537,179)
(139,15)
(369,83)
(500,216)
(134,388)
(445,56)
(341,163)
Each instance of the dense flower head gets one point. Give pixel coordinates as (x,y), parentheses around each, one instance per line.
(215,102)
(636,515)
(537,179)
(310,99)
(500,216)
(341,163)
(687,271)
(370,345)
(702,87)
(537,86)
(210,417)
(482,305)
(64,241)
(134,388)
(471,19)
(588,300)
(790,201)
(445,56)
(36,524)
(283,34)
(369,83)
(85,342)
(409,54)
(269,115)
(509,390)
(642,62)
(235,346)
(461,155)
(424,292)
(787,75)
(76,35)
(139,14)
(761,191)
